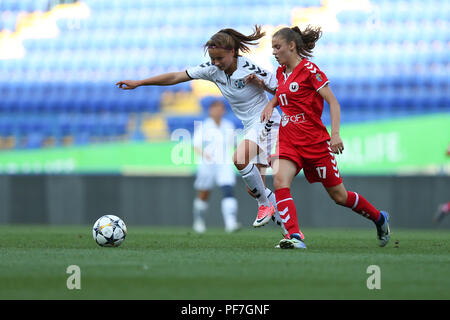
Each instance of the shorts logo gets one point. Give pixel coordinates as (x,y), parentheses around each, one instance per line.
(319,77)
(293,87)
(240,83)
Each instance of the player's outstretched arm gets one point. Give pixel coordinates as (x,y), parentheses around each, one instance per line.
(335,113)
(165,79)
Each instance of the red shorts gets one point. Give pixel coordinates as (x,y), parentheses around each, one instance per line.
(317,161)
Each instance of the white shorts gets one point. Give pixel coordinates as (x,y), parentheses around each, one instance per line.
(265,140)
(212,174)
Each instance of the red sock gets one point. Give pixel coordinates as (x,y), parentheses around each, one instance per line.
(287,210)
(361,206)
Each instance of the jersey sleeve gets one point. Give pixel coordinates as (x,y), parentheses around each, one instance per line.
(270,81)
(269,78)
(316,77)
(203,71)
(230,125)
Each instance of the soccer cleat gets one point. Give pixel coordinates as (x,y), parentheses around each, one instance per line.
(292,242)
(286,236)
(199,225)
(233,228)
(264,215)
(383,230)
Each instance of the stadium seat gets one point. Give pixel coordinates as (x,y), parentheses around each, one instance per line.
(399,47)
(183,122)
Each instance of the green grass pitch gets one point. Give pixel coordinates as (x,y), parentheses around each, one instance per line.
(174,263)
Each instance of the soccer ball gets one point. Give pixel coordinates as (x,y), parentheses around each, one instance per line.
(109,231)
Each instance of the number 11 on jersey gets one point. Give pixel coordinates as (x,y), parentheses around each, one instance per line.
(283,99)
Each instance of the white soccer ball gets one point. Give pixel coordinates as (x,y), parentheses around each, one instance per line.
(109,231)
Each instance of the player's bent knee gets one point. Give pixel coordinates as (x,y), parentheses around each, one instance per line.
(203,195)
(339,198)
(239,164)
(280,183)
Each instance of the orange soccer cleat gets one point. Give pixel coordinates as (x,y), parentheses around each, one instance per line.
(264,215)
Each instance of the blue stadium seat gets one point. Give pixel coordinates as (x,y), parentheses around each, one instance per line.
(9,21)
(182,122)
(354,16)
(397,49)
(6,126)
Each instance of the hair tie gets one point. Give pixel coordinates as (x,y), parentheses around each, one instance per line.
(296,29)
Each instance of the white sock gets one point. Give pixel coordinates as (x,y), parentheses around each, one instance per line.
(253,179)
(200,208)
(271,196)
(229,212)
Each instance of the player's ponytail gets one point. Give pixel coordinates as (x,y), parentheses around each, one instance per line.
(229,39)
(305,40)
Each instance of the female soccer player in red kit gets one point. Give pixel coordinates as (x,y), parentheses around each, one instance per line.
(304,142)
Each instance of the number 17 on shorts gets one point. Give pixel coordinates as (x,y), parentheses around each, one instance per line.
(325,170)
(332,177)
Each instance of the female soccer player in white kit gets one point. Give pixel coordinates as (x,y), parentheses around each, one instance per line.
(235,76)
(213,140)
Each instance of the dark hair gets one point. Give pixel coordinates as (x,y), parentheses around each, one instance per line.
(217,102)
(229,39)
(305,40)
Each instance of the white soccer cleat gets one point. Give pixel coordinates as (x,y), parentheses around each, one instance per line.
(199,225)
(264,215)
(233,228)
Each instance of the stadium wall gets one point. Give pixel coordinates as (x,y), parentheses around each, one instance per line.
(81,199)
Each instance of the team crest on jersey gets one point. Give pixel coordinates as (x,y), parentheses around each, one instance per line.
(319,77)
(239,83)
(293,86)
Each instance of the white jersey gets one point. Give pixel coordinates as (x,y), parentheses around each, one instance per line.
(216,141)
(246,101)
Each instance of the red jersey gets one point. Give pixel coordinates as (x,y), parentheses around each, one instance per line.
(301,103)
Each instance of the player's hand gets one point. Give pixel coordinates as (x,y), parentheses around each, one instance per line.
(127,84)
(336,144)
(266,114)
(253,79)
